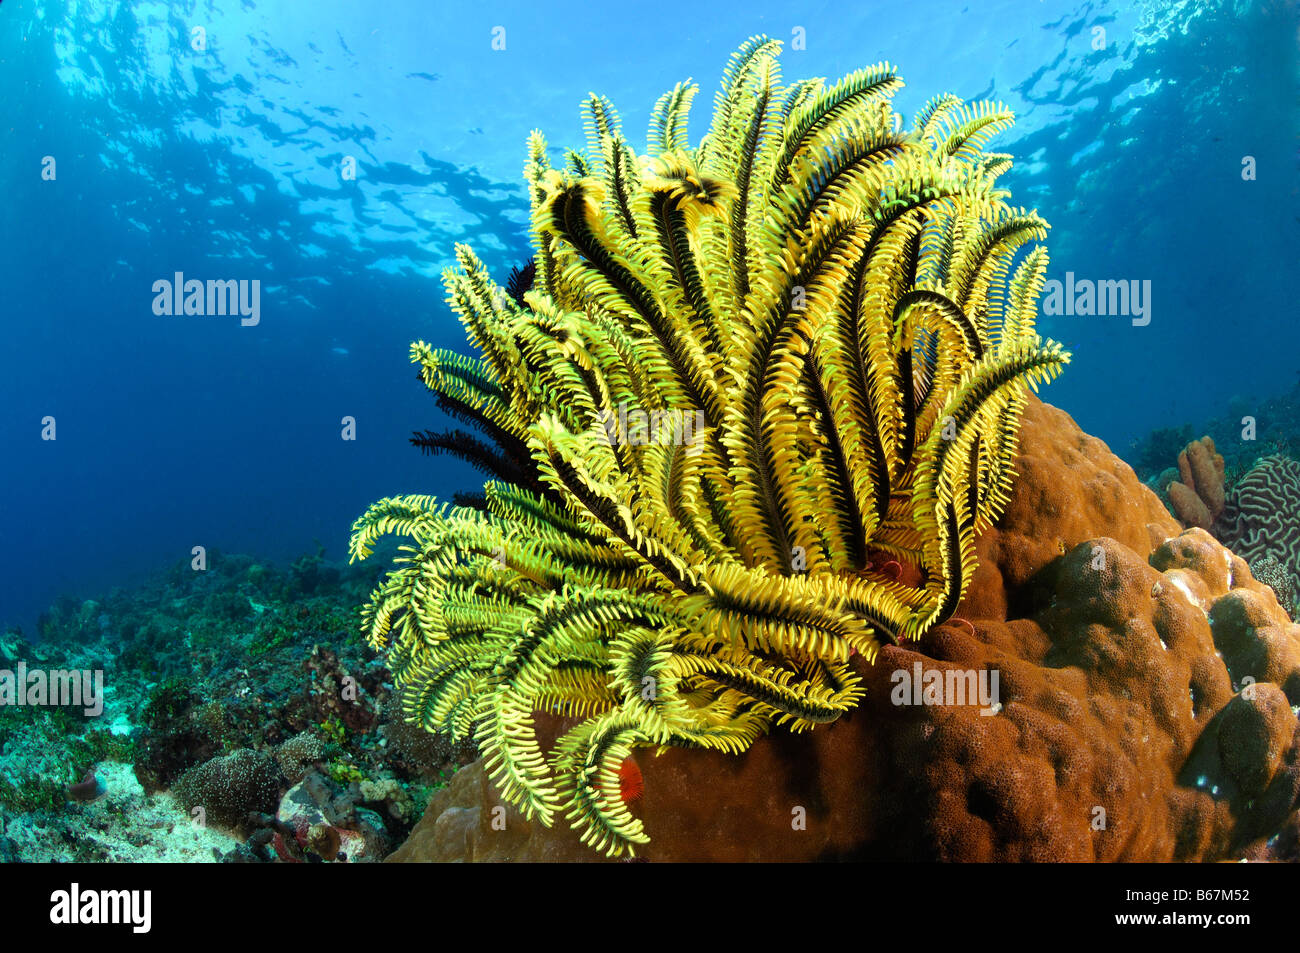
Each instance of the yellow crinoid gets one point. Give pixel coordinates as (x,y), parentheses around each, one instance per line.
(744,370)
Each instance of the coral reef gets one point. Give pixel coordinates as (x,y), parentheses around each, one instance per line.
(206,671)
(1252,504)
(1197,497)
(121,825)
(1119,733)
(753,375)
(1249,429)
(173,738)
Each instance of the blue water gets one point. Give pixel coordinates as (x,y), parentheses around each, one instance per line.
(177,431)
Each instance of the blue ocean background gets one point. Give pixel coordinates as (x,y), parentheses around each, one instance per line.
(175,431)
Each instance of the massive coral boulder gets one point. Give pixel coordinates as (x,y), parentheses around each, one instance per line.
(1145,695)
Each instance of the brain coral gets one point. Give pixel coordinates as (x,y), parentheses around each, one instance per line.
(1146,691)
(1261,518)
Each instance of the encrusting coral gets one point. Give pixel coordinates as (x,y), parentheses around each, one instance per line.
(750,376)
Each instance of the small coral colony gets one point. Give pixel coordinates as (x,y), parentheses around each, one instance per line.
(747,417)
